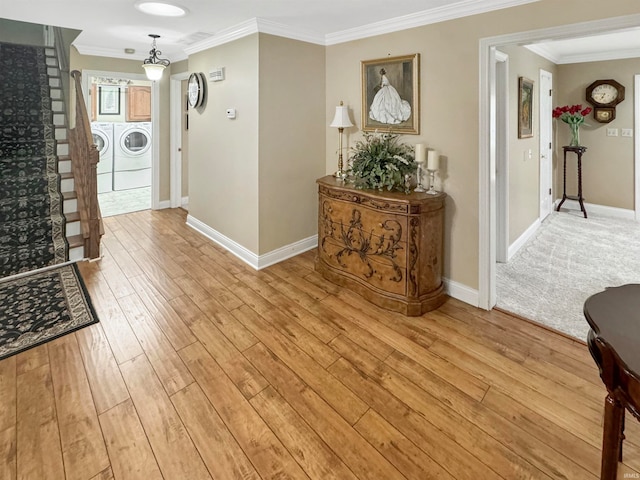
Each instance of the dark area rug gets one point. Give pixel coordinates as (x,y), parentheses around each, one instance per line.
(42,306)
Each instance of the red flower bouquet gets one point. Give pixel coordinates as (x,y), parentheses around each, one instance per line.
(574,117)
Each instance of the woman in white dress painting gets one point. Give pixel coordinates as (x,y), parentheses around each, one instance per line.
(387,106)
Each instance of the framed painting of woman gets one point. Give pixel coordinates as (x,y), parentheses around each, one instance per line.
(391,94)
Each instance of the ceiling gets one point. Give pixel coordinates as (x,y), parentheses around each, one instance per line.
(111,26)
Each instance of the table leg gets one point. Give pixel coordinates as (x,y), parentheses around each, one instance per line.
(612,437)
(580,199)
(564,183)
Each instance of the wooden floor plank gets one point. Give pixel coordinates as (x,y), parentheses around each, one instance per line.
(163,314)
(8,375)
(308,449)
(122,340)
(167,364)
(363,460)
(8,468)
(129,450)
(244,375)
(270,458)
(221,453)
(105,380)
(38,439)
(399,450)
(340,398)
(173,448)
(83,447)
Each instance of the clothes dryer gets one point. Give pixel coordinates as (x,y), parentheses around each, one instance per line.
(132,155)
(103,138)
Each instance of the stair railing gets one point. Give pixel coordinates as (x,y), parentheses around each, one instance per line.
(84,161)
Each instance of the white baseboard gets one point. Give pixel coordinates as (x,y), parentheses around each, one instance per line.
(255,261)
(184,202)
(522,239)
(598,210)
(461,292)
(163,204)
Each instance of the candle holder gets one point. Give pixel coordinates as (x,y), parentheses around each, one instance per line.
(420,187)
(432,174)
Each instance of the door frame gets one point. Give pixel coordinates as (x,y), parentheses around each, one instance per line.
(155,122)
(175,138)
(636,142)
(487,136)
(501,65)
(545,116)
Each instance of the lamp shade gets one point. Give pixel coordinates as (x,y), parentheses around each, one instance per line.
(341,119)
(153,70)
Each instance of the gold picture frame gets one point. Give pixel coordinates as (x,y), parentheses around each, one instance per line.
(391,94)
(525,108)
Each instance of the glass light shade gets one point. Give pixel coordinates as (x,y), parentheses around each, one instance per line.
(341,119)
(153,70)
(161,9)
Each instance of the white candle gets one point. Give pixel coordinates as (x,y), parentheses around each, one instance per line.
(433,160)
(421,150)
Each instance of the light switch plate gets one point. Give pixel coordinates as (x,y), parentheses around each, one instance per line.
(612,132)
(627,132)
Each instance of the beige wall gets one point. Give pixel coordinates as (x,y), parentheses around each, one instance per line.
(449,100)
(524,173)
(108,64)
(607,165)
(223,153)
(291,144)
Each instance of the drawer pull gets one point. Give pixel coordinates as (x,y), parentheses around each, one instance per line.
(380,225)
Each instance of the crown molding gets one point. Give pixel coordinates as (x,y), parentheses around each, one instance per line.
(543,52)
(465,8)
(255,25)
(583,57)
(118,53)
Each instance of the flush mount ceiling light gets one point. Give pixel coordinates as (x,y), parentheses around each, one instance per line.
(161,9)
(154,65)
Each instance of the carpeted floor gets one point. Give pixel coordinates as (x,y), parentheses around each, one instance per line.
(42,306)
(568,259)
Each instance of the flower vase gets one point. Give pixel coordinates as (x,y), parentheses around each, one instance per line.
(575,135)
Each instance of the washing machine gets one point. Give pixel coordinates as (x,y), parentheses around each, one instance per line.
(103,138)
(131,155)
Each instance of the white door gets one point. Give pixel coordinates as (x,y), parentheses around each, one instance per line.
(546,108)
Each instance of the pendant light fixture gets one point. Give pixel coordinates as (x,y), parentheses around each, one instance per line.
(154,65)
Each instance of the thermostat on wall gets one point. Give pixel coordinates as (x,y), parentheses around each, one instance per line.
(216,74)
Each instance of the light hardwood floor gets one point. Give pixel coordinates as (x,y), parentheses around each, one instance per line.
(203,368)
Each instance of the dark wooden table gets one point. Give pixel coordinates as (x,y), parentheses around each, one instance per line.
(614,343)
(578,151)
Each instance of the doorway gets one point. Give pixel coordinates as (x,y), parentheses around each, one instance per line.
(179,158)
(123,109)
(487,135)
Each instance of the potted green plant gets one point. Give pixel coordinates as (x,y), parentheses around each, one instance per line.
(380,161)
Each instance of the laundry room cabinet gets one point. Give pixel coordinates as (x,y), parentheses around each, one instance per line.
(138,103)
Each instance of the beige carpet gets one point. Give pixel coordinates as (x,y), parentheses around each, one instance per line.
(568,259)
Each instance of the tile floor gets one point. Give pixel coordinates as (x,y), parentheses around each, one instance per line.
(124,201)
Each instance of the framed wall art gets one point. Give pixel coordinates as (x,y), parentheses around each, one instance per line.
(391,94)
(108,100)
(525,108)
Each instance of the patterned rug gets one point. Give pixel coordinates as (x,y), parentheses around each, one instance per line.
(32,226)
(42,306)
(567,260)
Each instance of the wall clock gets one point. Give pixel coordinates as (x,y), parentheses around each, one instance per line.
(196,89)
(604,95)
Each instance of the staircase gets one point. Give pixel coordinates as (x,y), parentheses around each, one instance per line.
(39,223)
